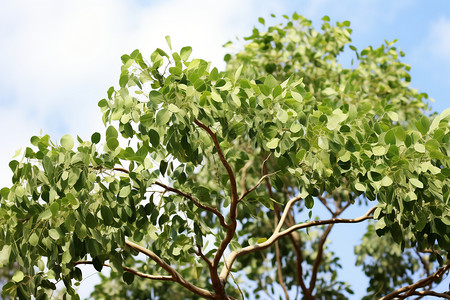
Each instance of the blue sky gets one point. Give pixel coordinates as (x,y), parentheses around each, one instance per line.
(58,58)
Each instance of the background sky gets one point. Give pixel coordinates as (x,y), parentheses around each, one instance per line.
(58,58)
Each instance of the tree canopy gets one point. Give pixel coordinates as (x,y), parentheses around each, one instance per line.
(203,182)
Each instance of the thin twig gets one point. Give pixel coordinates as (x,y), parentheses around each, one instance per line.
(218,284)
(323,200)
(200,254)
(279,234)
(445,295)
(320,248)
(256,185)
(279,271)
(419,284)
(196,202)
(130,270)
(174,274)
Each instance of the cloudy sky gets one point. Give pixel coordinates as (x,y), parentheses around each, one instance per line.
(58,58)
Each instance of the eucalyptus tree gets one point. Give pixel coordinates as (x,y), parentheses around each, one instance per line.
(204,181)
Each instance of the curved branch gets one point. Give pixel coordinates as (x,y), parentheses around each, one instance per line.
(312,282)
(256,185)
(130,270)
(277,234)
(223,160)
(321,245)
(196,202)
(410,289)
(445,295)
(219,285)
(174,274)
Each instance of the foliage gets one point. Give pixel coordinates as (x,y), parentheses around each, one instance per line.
(204,179)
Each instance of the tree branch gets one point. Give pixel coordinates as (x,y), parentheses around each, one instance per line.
(279,234)
(135,272)
(222,159)
(196,202)
(419,284)
(174,274)
(202,256)
(323,200)
(445,295)
(312,282)
(321,245)
(218,284)
(256,185)
(279,271)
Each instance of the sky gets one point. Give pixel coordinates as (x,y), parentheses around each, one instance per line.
(58,58)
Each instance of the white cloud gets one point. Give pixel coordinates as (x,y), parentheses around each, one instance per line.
(58,58)
(439,39)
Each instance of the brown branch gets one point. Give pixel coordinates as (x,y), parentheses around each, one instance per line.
(174,274)
(277,234)
(419,284)
(279,271)
(217,282)
(323,200)
(312,282)
(196,202)
(445,295)
(200,254)
(320,248)
(135,272)
(425,263)
(223,160)
(265,177)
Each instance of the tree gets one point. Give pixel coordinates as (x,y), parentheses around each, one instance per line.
(205,181)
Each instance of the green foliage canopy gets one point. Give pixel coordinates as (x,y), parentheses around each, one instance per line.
(200,171)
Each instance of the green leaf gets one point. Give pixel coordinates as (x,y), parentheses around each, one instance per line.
(163,117)
(67,142)
(112,143)
(54,208)
(128,277)
(34,239)
(111,132)
(169,42)
(416,182)
(54,234)
(396,233)
(273,143)
(173,108)
(125,191)
(185,53)
(95,138)
(216,97)
(393,115)
(419,148)
(106,215)
(323,142)
(386,181)
(156,97)
(389,138)
(4,255)
(360,187)
(18,276)
(45,215)
(379,150)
